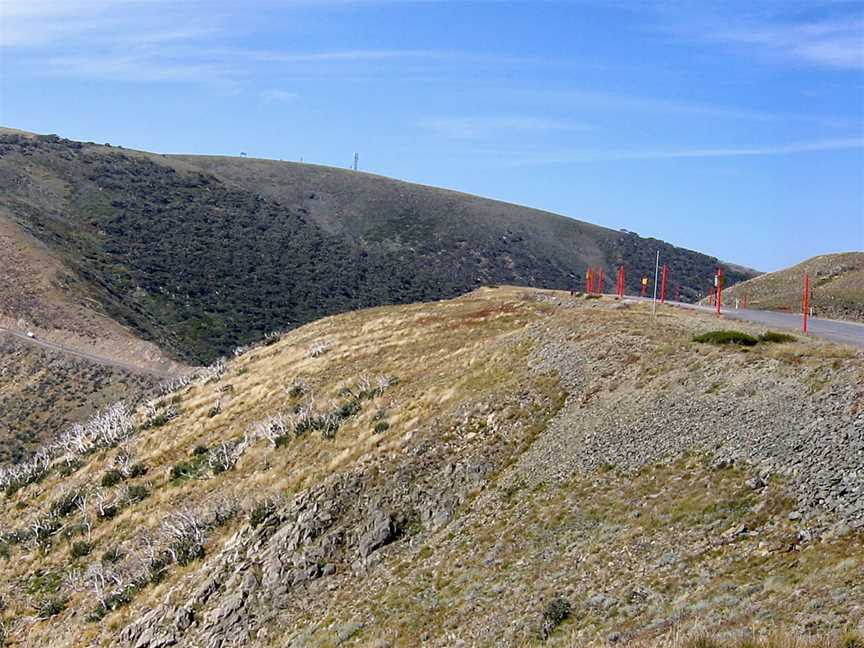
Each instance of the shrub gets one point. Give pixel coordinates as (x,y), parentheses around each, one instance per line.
(181,471)
(188,551)
(349,408)
(51,606)
(159,419)
(66,503)
(772,337)
(5,550)
(555,613)
(297,389)
(113,555)
(738,338)
(136,493)
(200,450)
(111,478)
(381,426)
(70,467)
(81,549)
(137,470)
(851,640)
(45,528)
(261,512)
(107,511)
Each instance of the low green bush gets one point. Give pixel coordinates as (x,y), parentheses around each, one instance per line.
(738,338)
(136,493)
(182,470)
(80,549)
(51,606)
(111,478)
(556,612)
(192,468)
(772,337)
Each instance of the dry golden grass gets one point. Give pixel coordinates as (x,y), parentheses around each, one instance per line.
(449,357)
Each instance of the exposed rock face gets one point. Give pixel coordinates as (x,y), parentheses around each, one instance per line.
(381,531)
(334,531)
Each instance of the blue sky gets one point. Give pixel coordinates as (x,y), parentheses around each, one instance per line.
(733,128)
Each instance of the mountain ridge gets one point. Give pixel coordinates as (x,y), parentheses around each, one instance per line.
(201,255)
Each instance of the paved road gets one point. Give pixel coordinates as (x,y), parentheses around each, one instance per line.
(834,330)
(86,356)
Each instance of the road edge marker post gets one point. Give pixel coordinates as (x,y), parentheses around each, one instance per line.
(806,309)
(719,290)
(663,284)
(599,281)
(656,270)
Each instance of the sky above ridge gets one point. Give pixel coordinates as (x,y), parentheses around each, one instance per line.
(733,128)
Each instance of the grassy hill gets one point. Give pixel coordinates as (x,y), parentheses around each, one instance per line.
(200,255)
(514,467)
(836,280)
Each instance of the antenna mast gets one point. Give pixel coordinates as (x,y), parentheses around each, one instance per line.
(356,161)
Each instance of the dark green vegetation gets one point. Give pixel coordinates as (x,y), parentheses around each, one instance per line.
(743,339)
(204,254)
(772,337)
(727,337)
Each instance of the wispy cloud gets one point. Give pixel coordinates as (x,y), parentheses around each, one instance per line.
(815,33)
(133,68)
(494,127)
(518,158)
(836,43)
(279,96)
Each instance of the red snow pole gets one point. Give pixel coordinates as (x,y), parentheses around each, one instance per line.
(663,284)
(719,289)
(806,299)
(644,286)
(600,281)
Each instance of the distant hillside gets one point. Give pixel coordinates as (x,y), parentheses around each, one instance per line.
(44,392)
(836,280)
(202,254)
